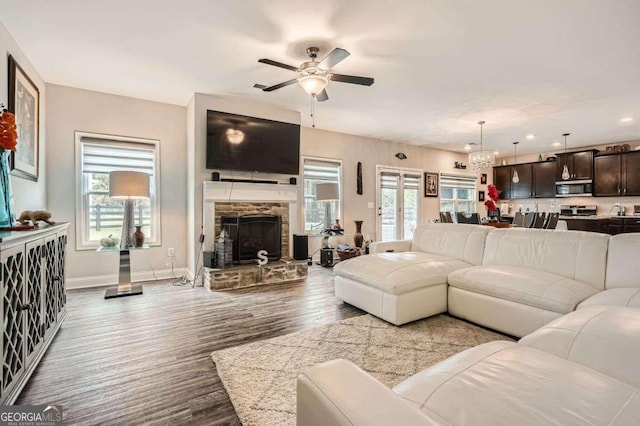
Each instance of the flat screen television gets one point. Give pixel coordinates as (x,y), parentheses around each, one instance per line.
(238,142)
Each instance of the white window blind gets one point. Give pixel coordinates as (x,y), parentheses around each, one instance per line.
(457,193)
(96,156)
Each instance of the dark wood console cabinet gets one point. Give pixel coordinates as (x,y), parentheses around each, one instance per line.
(33,301)
(580,164)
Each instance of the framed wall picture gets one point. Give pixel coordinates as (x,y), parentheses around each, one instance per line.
(24,102)
(430,184)
(483,179)
(480,195)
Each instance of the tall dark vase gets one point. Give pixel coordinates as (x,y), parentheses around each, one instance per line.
(358,238)
(138,237)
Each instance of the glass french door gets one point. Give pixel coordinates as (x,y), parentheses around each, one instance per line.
(399,202)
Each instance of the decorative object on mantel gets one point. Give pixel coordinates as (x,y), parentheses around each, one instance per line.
(34,217)
(8,142)
(359,179)
(358,238)
(481,160)
(430,184)
(492,203)
(401,156)
(138,237)
(460,166)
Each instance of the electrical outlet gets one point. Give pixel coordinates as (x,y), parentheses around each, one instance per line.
(172,252)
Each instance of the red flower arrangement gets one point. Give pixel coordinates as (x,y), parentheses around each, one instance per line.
(492,203)
(8,130)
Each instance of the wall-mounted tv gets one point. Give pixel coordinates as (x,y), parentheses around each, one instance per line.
(238,142)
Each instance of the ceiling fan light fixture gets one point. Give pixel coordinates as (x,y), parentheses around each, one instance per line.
(313,84)
(234,136)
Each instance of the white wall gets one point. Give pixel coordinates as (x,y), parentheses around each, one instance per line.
(70,110)
(28,195)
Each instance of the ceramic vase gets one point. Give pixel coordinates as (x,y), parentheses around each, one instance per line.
(7,216)
(358,238)
(138,237)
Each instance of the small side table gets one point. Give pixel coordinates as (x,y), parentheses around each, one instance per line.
(124,288)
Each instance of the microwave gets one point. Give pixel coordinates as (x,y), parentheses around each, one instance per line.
(574,188)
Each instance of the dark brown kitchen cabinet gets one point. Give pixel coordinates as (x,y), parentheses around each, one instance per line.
(580,165)
(607,172)
(617,174)
(522,189)
(502,181)
(544,179)
(619,225)
(591,225)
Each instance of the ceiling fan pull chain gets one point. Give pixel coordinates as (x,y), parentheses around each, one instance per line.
(313,113)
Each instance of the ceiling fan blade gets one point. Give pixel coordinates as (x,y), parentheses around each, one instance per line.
(259,86)
(353,79)
(278,64)
(322,96)
(281,85)
(335,56)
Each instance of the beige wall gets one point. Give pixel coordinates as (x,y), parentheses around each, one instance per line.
(28,195)
(71,110)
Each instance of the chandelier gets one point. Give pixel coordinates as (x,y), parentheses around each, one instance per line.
(481,160)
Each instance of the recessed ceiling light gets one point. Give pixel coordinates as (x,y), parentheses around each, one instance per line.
(530,136)
(626,119)
(496,153)
(467,147)
(557,144)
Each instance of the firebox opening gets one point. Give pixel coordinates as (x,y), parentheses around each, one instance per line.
(253,232)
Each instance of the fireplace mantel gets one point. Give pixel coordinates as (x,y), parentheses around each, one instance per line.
(213,192)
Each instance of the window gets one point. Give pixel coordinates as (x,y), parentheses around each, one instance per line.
(399,207)
(457,193)
(319,171)
(100,216)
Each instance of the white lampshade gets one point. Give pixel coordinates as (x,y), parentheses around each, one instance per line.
(313,84)
(128,185)
(327,192)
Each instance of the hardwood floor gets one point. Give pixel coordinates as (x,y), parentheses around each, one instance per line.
(145,359)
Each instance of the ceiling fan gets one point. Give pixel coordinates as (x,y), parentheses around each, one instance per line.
(315,75)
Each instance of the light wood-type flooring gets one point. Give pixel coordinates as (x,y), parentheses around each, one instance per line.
(145,359)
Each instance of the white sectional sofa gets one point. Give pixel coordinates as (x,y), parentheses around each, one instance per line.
(410,283)
(579,369)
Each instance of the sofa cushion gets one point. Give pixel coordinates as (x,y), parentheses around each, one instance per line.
(503,383)
(604,338)
(401,272)
(576,255)
(615,296)
(531,287)
(623,268)
(459,241)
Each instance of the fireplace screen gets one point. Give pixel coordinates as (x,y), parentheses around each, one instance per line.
(254,232)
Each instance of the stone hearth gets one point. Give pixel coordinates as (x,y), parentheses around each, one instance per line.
(251,275)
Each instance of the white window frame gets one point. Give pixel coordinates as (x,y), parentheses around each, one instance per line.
(302,196)
(472,201)
(82,208)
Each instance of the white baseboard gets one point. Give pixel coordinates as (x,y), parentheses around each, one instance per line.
(112,279)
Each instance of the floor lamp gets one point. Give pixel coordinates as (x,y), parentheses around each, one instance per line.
(128,186)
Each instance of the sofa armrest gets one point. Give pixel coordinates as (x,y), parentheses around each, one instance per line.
(339,393)
(383,246)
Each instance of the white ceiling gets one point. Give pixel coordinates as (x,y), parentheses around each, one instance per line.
(525,66)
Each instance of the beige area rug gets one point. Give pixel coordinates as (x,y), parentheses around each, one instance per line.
(260,377)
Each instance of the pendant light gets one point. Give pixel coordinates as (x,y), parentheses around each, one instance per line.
(481,160)
(515,178)
(565,169)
